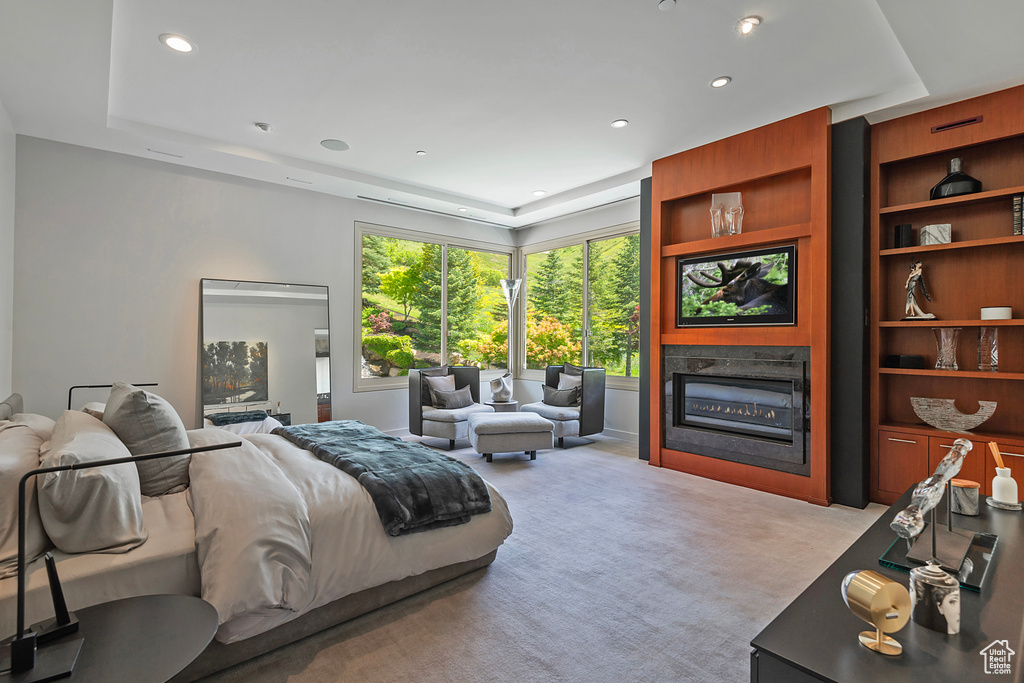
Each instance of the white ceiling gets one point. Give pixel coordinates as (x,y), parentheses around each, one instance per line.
(505,97)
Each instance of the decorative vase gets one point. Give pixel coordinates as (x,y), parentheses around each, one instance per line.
(956,183)
(501,388)
(946,340)
(988,349)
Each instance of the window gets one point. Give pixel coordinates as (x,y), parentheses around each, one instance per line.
(424,304)
(602,329)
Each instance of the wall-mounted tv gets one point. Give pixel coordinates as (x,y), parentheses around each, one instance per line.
(756,287)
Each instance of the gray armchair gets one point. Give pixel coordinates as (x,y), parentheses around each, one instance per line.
(451,424)
(586,418)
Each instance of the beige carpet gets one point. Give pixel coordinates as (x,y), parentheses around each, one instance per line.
(616,571)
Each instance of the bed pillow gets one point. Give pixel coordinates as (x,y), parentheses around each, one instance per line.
(95,408)
(426,398)
(40,424)
(439,384)
(92,510)
(146,423)
(566,381)
(19,453)
(562,398)
(451,400)
(570,369)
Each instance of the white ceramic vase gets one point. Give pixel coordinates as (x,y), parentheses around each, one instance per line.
(501,388)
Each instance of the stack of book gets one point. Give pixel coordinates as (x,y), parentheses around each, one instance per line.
(1018,226)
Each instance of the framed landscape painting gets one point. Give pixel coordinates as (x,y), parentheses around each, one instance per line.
(234,372)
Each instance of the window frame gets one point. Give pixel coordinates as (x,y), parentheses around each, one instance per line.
(584,239)
(360,383)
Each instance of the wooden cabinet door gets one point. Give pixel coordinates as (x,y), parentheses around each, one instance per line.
(902,460)
(974,463)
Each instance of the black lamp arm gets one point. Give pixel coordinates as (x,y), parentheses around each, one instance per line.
(80,466)
(102,386)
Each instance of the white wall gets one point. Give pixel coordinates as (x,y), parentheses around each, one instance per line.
(110,249)
(622,407)
(7,175)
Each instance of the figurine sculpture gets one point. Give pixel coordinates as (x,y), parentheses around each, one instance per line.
(916,277)
(910,522)
(501,388)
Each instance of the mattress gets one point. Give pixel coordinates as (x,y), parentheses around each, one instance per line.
(166,563)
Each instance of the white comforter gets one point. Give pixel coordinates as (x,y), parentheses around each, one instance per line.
(319,534)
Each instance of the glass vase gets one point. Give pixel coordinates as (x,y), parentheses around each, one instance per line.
(988,349)
(946,340)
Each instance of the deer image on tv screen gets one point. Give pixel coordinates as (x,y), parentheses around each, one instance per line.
(742,287)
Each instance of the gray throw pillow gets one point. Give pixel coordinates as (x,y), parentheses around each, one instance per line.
(450,400)
(146,423)
(566,381)
(436,384)
(562,398)
(425,398)
(570,369)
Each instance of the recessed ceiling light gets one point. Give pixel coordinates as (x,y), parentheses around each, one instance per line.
(721,82)
(176,42)
(747,25)
(463,209)
(334,145)
(265,127)
(420,152)
(539,193)
(666,5)
(620,123)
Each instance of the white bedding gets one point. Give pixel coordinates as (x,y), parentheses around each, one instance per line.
(260,427)
(350,551)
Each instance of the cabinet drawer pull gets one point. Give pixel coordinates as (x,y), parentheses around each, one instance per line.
(901,440)
(1016,454)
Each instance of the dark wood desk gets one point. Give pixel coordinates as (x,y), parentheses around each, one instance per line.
(142,639)
(815,637)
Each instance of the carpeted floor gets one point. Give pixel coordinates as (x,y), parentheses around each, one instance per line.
(616,571)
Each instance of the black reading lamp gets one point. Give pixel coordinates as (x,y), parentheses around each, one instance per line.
(29,663)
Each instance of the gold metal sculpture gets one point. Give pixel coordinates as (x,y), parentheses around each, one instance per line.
(883,603)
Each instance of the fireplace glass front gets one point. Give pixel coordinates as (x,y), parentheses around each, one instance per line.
(761,408)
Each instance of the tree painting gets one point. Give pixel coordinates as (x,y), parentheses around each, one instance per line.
(234,372)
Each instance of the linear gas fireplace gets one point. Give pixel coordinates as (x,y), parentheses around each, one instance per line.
(739,403)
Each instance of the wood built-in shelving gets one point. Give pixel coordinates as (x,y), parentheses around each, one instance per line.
(782,171)
(982,266)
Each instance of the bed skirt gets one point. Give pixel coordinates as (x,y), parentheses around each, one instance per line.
(218,656)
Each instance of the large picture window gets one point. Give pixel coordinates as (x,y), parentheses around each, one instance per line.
(424,304)
(583,305)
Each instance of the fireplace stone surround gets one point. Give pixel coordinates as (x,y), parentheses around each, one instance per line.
(789,364)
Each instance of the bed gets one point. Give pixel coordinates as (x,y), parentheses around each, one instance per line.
(352,567)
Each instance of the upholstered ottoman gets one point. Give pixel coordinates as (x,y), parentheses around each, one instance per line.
(491,433)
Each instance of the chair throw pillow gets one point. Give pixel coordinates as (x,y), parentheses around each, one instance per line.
(562,398)
(90,510)
(569,381)
(571,369)
(426,398)
(450,400)
(146,423)
(436,384)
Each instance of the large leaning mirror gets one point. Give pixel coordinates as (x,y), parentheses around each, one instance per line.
(265,346)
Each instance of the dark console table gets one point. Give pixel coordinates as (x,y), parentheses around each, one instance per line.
(145,639)
(815,638)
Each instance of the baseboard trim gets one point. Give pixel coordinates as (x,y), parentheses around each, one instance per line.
(621,435)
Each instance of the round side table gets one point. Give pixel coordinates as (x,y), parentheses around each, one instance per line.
(503,406)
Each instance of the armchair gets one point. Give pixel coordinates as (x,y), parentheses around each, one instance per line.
(586,418)
(443,423)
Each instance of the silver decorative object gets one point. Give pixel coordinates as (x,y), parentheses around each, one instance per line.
(940,233)
(946,340)
(501,388)
(916,279)
(942,414)
(910,522)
